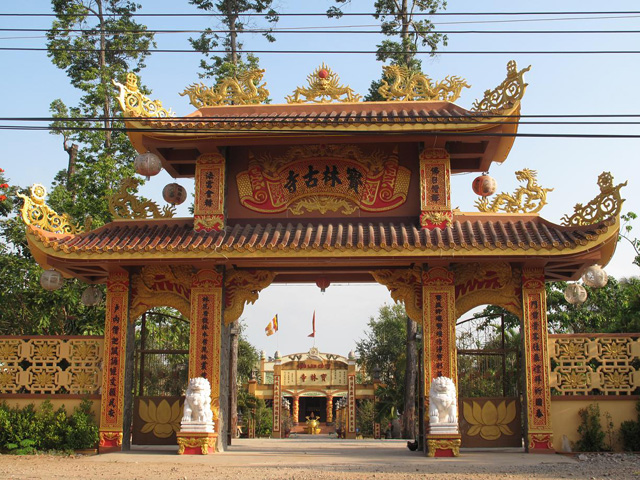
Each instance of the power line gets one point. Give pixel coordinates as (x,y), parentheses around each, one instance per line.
(308,30)
(344,14)
(336,52)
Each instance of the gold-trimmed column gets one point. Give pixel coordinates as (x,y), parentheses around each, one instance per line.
(435,190)
(208,212)
(329,409)
(277,396)
(439,340)
(296,408)
(351,396)
(113,369)
(205,343)
(537,393)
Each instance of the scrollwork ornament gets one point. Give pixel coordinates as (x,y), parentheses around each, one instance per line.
(135,104)
(404,285)
(607,204)
(323,205)
(243,287)
(507,94)
(36,212)
(124,205)
(436,444)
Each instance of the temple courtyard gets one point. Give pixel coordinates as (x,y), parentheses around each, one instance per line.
(318,458)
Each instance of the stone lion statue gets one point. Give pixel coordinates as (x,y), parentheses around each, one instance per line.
(443,404)
(197,404)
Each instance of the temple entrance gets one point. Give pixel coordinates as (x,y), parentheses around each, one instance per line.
(489,387)
(312,405)
(161,374)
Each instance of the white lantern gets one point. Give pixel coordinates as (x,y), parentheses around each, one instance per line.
(575,294)
(51,280)
(147,164)
(595,276)
(174,193)
(91,296)
(484,185)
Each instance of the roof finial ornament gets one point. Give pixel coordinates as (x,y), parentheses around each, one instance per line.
(324,87)
(135,104)
(36,212)
(411,85)
(124,205)
(507,94)
(607,204)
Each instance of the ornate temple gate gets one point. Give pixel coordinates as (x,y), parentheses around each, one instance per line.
(161,376)
(345,190)
(490,412)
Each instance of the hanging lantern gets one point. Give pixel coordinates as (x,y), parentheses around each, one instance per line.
(147,164)
(91,296)
(575,294)
(323,283)
(484,185)
(595,276)
(51,280)
(174,194)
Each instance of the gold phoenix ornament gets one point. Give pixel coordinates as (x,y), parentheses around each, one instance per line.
(507,94)
(135,104)
(607,204)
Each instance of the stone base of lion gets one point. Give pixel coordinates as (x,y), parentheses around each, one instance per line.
(443,406)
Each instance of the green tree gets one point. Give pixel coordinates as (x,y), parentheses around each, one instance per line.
(403,22)
(384,349)
(111,44)
(626,235)
(231,11)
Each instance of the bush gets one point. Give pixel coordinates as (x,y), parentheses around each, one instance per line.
(630,433)
(591,433)
(27,430)
(365,418)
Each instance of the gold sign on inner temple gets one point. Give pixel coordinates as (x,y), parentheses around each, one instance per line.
(505,95)
(135,104)
(528,199)
(124,205)
(402,84)
(36,212)
(242,89)
(607,204)
(324,87)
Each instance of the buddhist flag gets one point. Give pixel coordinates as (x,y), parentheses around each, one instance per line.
(313,324)
(272,327)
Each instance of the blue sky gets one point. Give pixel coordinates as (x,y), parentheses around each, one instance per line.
(558,84)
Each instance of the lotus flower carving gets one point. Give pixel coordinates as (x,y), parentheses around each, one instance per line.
(489,421)
(162,419)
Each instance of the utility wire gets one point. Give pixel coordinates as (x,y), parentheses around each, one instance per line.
(308,30)
(337,52)
(344,14)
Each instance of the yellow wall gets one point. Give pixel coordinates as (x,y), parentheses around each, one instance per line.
(69,403)
(565,419)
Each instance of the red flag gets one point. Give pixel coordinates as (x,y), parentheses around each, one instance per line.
(313,322)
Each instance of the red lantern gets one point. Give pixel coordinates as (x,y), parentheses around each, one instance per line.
(484,185)
(174,194)
(147,164)
(323,283)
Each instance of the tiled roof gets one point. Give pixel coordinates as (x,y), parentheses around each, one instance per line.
(469,233)
(372,115)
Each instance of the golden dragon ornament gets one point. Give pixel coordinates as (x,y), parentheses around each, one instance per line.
(528,199)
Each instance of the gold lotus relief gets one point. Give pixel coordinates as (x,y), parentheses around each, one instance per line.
(574,380)
(322,205)
(614,350)
(162,419)
(85,351)
(45,351)
(83,381)
(7,378)
(8,350)
(572,350)
(616,380)
(489,421)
